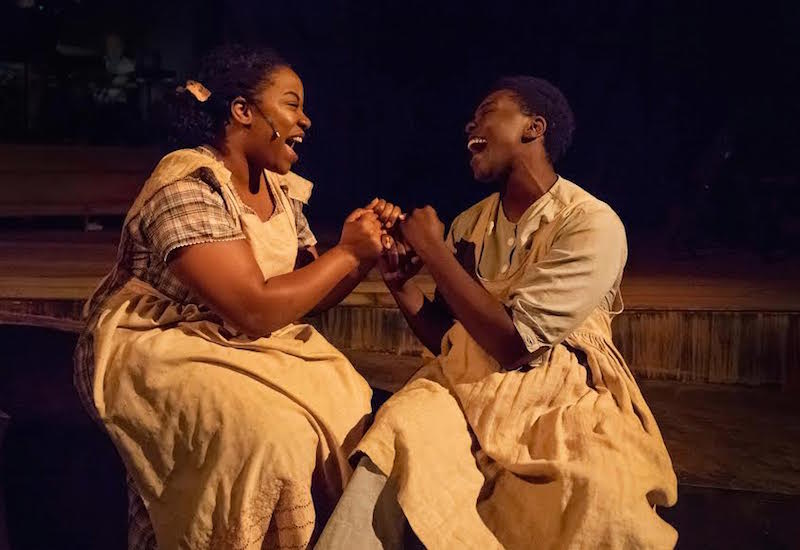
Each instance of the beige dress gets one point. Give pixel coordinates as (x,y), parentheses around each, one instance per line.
(224,435)
(563,453)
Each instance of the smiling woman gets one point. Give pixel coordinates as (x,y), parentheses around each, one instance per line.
(254,87)
(510,103)
(221,406)
(527,430)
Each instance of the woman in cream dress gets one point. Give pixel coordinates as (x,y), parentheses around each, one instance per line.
(233,420)
(527,429)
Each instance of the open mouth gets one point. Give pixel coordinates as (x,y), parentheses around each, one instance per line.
(476,145)
(290,142)
(294,140)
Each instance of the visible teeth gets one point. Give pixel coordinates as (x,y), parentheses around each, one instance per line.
(475,141)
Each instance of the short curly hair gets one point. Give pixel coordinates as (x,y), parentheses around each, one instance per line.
(228,72)
(538,96)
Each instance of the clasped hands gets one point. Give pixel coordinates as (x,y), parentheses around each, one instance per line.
(399,242)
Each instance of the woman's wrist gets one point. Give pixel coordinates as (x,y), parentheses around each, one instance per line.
(347,254)
(431,250)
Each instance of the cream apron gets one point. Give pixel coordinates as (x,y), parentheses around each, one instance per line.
(224,434)
(565,454)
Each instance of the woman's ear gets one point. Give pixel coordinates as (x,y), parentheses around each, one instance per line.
(536,128)
(241,111)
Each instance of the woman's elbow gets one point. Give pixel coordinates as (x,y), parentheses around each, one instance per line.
(259,313)
(265,309)
(511,353)
(254,324)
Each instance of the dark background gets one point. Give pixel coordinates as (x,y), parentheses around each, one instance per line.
(687,124)
(686,111)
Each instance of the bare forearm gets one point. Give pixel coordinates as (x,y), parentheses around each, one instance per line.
(286,298)
(428,321)
(483,316)
(343,288)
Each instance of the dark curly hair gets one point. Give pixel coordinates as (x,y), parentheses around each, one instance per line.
(537,96)
(228,72)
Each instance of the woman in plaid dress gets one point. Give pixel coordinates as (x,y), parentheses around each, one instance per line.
(228,414)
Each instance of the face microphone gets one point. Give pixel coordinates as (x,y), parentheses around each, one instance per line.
(275,133)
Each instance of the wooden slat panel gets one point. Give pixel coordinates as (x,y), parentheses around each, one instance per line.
(758,349)
(689,346)
(711,346)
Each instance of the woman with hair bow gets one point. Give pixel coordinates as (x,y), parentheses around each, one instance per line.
(234,421)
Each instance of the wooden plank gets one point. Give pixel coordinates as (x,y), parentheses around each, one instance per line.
(67,194)
(669,291)
(76,181)
(64,268)
(84,158)
(64,315)
(47,288)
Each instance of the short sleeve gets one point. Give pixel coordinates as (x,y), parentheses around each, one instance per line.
(186,212)
(305,237)
(558,293)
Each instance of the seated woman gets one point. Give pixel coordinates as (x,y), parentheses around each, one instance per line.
(527,430)
(228,414)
